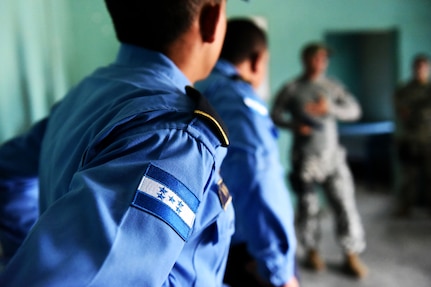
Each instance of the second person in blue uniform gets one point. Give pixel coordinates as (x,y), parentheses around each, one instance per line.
(251,169)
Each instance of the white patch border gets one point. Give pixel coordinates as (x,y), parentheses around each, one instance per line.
(154,189)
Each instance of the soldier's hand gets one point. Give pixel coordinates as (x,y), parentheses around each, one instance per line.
(403,113)
(304,130)
(252,269)
(292,283)
(318,107)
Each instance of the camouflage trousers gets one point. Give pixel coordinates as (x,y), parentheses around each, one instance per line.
(415,174)
(330,171)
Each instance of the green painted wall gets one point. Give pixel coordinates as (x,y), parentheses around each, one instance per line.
(292,23)
(94,43)
(88,39)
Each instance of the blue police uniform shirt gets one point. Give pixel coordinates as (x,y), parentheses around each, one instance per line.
(253,174)
(127,174)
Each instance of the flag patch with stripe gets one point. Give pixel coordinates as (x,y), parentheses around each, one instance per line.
(162,195)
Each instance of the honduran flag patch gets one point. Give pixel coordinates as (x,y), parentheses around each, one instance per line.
(162,195)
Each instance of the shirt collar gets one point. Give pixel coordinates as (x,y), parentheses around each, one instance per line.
(156,62)
(226,68)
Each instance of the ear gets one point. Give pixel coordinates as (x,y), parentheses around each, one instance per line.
(209,20)
(254,61)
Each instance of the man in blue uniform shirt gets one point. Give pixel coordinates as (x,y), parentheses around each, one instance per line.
(251,169)
(127,164)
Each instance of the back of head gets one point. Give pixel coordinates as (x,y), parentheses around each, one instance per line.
(244,40)
(156,24)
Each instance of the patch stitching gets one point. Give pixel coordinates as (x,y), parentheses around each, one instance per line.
(165,197)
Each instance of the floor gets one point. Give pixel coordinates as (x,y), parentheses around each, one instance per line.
(398,252)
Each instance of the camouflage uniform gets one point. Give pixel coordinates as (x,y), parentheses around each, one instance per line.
(319,159)
(413,141)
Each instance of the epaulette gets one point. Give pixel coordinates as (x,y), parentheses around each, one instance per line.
(205,111)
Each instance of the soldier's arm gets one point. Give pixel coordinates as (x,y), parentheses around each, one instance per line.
(279,112)
(344,106)
(263,209)
(402,110)
(118,224)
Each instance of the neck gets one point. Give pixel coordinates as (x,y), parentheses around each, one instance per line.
(183,60)
(422,81)
(243,70)
(310,75)
(189,56)
(313,75)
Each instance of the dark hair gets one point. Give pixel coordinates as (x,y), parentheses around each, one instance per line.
(153,24)
(311,49)
(420,58)
(244,40)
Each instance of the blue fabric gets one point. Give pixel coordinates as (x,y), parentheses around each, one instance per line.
(253,174)
(19,188)
(89,157)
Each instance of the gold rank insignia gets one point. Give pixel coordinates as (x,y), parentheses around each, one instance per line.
(223,194)
(206,112)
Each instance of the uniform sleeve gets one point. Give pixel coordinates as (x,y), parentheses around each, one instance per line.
(263,209)
(264,213)
(103,232)
(19,164)
(396,97)
(401,110)
(344,106)
(279,109)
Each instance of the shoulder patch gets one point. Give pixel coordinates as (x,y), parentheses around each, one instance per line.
(162,195)
(223,194)
(256,106)
(205,111)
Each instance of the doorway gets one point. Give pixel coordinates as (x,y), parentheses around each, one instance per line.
(366,62)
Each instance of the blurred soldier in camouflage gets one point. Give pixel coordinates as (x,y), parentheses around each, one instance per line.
(315,103)
(413,136)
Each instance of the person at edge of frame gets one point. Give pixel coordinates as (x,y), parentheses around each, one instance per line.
(263,247)
(412,102)
(314,103)
(126,167)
